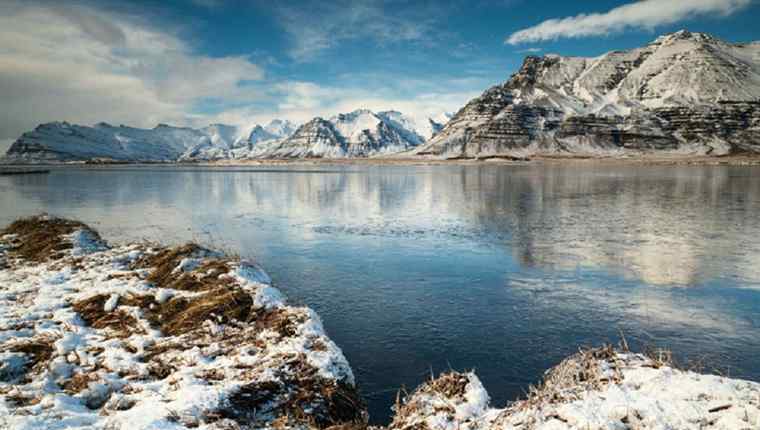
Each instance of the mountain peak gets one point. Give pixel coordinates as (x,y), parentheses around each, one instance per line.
(680,35)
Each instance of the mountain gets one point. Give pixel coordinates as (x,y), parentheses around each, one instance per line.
(263,138)
(361,133)
(684,93)
(62,142)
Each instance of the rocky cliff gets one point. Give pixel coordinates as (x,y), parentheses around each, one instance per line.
(684,93)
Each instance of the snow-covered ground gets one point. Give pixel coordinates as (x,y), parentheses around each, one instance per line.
(140,337)
(599,389)
(145,337)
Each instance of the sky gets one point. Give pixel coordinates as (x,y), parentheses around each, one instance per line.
(242,62)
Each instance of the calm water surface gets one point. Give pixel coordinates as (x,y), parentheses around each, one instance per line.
(505,270)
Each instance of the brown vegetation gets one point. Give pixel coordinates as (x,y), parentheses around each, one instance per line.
(300,396)
(181,315)
(202,278)
(41,238)
(92,311)
(38,351)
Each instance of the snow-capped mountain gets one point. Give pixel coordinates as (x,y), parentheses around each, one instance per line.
(684,93)
(361,133)
(61,142)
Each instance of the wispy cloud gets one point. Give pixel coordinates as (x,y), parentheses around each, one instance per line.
(529,50)
(645,14)
(321,25)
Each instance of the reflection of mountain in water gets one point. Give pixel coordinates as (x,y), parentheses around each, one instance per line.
(663,225)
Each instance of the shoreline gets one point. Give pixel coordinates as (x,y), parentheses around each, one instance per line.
(675,160)
(738,160)
(144,336)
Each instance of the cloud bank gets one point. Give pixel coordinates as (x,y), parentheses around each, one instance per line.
(645,14)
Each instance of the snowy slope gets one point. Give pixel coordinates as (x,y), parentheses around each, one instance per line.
(361,133)
(684,93)
(61,141)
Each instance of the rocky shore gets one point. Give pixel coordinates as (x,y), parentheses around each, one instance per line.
(142,336)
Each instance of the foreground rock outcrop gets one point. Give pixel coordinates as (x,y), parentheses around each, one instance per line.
(146,337)
(683,94)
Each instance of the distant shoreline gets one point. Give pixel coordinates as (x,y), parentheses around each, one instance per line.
(733,160)
(653,160)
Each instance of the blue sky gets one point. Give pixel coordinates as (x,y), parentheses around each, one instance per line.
(194,62)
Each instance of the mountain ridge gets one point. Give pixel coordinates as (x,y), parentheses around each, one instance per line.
(683,93)
(366,133)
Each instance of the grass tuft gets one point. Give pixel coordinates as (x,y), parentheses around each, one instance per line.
(41,238)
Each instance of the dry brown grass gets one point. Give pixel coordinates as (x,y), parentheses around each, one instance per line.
(282,321)
(205,277)
(93,313)
(451,385)
(76,383)
(182,315)
(38,350)
(177,316)
(300,396)
(20,401)
(40,238)
(574,375)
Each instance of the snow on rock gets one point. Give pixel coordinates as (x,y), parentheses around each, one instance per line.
(361,133)
(122,340)
(64,142)
(357,134)
(683,94)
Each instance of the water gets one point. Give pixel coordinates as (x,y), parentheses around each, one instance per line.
(418,269)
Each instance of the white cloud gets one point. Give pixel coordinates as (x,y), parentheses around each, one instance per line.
(86,65)
(645,14)
(321,25)
(529,50)
(301,101)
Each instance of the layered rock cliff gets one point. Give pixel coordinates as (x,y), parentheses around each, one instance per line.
(685,93)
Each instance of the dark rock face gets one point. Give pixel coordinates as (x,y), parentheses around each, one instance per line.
(685,93)
(312,140)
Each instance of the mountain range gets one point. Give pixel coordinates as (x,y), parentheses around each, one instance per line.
(361,133)
(682,94)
